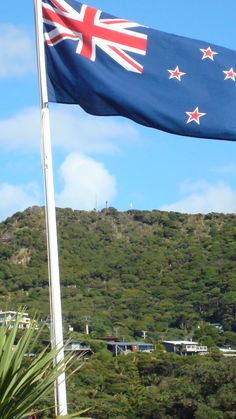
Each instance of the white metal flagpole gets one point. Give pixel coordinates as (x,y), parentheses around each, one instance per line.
(50,212)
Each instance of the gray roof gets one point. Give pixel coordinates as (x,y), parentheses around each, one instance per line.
(124,343)
(180,342)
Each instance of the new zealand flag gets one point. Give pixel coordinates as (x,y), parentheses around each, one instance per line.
(112,66)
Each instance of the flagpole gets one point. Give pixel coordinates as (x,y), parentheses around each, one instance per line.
(50,213)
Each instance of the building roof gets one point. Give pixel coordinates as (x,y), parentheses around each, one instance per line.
(13,312)
(227,350)
(124,343)
(180,342)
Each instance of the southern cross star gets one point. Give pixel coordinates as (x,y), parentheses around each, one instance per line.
(195,116)
(230,74)
(208,53)
(176,73)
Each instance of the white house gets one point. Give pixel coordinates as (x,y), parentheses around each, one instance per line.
(185,347)
(9,318)
(228,351)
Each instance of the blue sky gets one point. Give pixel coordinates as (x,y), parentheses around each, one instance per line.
(109,159)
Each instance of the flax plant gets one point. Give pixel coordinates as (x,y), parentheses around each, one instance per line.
(25,381)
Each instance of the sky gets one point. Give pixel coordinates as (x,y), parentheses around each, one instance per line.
(112,161)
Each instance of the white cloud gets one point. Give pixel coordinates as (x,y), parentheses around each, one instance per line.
(203,197)
(87,183)
(17,56)
(15,198)
(21,130)
(72,130)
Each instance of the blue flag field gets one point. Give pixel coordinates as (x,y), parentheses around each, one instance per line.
(112,66)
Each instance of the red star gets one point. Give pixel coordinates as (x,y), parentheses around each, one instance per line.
(208,53)
(194,116)
(176,74)
(230,74)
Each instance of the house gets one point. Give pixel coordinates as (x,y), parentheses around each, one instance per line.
(184,347)
(124,347)
(227,351)
(77,348)
(9,318)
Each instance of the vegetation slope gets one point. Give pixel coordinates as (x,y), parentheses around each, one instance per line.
(167,273)
(170,274)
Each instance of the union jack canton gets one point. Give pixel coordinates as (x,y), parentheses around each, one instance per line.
(113,66)
(113,36)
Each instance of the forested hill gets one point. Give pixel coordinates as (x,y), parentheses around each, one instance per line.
(167,273)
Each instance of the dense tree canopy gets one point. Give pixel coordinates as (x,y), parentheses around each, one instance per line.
(170,274)
(156,386)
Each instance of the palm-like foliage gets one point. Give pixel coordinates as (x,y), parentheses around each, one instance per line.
(21,386)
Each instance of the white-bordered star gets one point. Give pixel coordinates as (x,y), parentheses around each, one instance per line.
(195,116)
(208,53)
(176,73)
(230,74)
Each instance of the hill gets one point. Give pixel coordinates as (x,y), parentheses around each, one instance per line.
(171,274)
(168,273)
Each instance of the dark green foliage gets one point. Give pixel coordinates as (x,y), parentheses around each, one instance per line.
(168,273)
(158,386)
(130,271)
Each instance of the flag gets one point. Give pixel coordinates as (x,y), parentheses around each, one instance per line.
(113,66)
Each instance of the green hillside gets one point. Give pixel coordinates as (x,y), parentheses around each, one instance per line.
(170,274)
(167,273)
